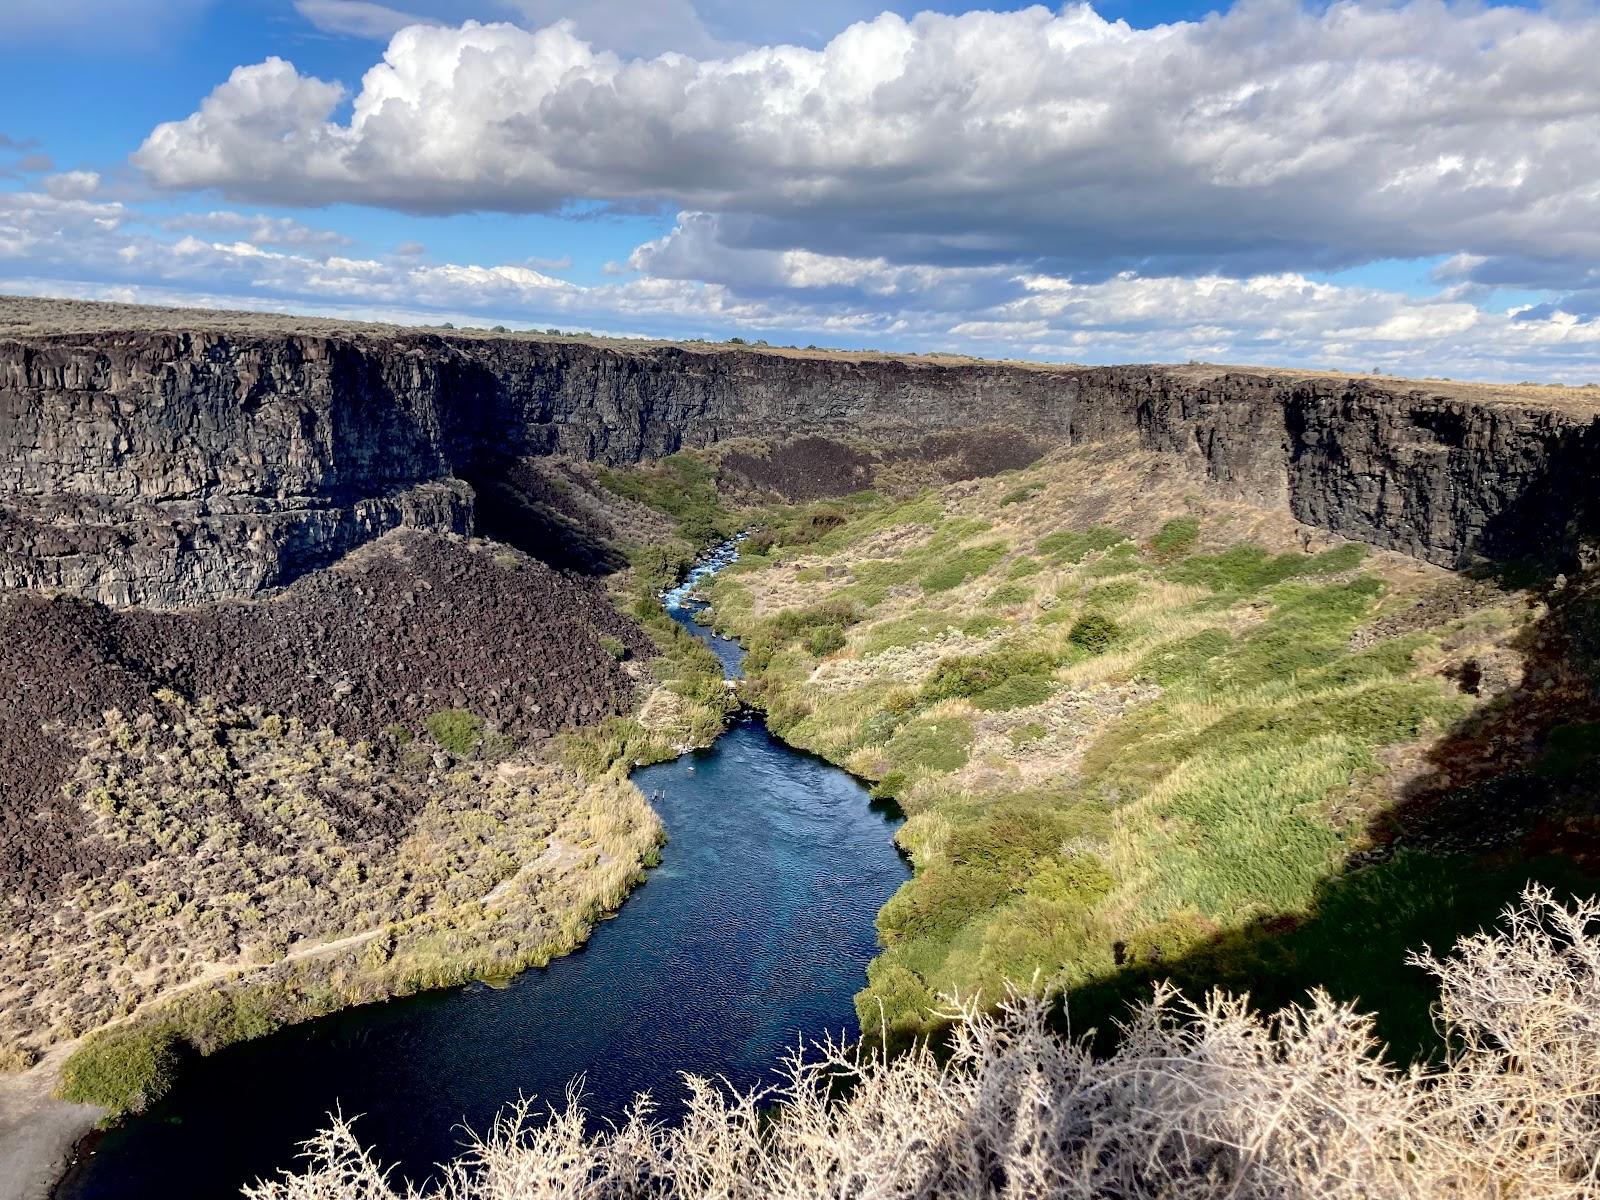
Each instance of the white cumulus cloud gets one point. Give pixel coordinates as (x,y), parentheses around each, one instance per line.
(1268,138)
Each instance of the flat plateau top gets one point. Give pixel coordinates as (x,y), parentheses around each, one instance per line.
(29,317)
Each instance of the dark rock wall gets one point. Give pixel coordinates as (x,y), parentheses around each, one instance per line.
(173,469)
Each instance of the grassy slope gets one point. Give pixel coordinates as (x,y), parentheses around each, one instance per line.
(1137,745)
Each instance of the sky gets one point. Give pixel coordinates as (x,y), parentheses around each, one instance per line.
(1411,188)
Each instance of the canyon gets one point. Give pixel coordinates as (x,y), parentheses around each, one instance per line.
(160,458)
(299,592)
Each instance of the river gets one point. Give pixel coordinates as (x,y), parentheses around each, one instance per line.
(754,932)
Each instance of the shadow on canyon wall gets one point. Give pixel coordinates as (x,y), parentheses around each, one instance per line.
(523,506)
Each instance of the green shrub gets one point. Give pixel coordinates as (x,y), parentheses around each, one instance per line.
(794,623)
(1094,633)
(1172,661)
(1010,594)
(457,730)
(1024,567)
(824,640)
(969,674)
(1020,691)
(931,745)
(1021,495)
(981,625)
(877,729)
(613,646)
(1117,594)
(1071,546)
(615,742)
(1174,538)
(963,565)
(125,1070)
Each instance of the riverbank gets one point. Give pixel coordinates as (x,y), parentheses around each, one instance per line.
(754,930)
(560,895)
(1140,734)
(39,1134)
(258,869)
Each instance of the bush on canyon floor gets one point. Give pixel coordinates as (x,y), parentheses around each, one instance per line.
(961,565)
(930,744)
(1069,546)
(123,1070)
(968,675)
(1094,633)
(1199,1099)
(456,730)
(1174,538)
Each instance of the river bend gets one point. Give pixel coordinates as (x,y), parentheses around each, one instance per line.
(754,932)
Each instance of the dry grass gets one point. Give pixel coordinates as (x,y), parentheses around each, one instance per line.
(244,865)
(1200,1099)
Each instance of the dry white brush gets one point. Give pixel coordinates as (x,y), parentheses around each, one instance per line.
(1200,1100)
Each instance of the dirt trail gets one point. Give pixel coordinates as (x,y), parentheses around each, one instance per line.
(37,1131)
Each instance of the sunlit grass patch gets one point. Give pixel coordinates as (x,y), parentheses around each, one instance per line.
(959,566)
(1071,546)
(1233,835)
(912,629)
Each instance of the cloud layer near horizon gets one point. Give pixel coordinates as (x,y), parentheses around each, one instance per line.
(253,261)
(1037,183)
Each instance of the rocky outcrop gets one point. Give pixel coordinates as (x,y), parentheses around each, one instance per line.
(174,468)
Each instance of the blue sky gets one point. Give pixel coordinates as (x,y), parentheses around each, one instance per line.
(1413,187)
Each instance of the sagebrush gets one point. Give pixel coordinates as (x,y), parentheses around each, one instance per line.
(1200,1099)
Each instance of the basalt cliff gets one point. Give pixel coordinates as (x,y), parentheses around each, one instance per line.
(162,459)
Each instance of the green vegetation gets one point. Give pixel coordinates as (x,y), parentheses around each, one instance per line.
(1009,595)
(1068,546)
(1174,538)
(684,486)
(1244,568)
(457,730)
(1021,495)
(1094,633)
(968,676)
(613,646)
(1165,758)
(123,1070)
(961,566)
(1207,1097)
(213,940)
(1183,658)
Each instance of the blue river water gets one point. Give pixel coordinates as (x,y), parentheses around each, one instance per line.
(753,933)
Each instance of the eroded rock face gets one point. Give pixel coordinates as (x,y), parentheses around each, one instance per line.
(170,469)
